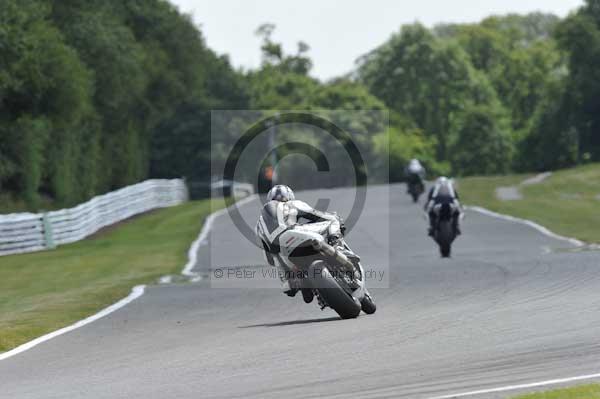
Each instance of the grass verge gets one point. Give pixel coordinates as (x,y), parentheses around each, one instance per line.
(581,392)
(42,292)
(566,203)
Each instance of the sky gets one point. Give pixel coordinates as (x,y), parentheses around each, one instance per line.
(338,32)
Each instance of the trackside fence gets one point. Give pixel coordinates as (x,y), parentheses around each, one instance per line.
(30,232)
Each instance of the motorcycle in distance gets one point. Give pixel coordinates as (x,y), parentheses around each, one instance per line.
(331,270)
(416,189)
(444,227)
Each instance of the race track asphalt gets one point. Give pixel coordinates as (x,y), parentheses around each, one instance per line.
(510,307)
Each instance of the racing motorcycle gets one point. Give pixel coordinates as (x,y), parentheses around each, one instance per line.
(416,189)
(444,230)
(329,268)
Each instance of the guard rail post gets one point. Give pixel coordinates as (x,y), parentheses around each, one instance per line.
(48,235)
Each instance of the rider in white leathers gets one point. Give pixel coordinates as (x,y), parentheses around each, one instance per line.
(414,170)
(282,203)
(443,192)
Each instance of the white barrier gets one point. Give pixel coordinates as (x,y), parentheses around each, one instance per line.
(29,232)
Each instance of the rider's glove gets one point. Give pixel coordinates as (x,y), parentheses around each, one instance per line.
(334,240)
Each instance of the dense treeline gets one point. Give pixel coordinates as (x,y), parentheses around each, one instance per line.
(512,93)
(283,83)
(97,94)
(471,89)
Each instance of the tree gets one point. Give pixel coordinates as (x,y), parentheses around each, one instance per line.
(88,87)
(45,95)
(518,57)
(273,54)
(552,142)
(181,145)
(272,88)
(483,143)
(282,83)
(427,80)
(523,29)
(579,36)
(400,145)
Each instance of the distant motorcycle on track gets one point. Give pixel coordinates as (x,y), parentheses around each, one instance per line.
(416,189)
(415,176)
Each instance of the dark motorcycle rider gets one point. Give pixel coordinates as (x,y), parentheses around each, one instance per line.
(443,192)
(281,212)
(415,172)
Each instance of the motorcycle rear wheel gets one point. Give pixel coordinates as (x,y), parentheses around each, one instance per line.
(445,238)
(415,197)
(332,293)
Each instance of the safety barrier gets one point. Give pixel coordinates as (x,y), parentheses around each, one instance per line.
(29,232)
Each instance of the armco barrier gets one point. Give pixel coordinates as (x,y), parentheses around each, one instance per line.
(30,232)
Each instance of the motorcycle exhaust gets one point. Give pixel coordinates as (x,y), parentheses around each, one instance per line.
(331,252)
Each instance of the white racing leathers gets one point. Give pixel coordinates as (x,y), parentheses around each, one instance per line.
(415,170)
(440,194)
(277,217)
(313,257)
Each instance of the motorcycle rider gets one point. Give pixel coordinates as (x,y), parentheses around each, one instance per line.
(415,172)
(443,192)
(281,212)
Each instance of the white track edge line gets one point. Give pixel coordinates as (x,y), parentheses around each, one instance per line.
(536,226)
(520,386)
(547,233)
(136,292)
(203,238)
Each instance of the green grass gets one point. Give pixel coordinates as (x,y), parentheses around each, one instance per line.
(44,291)
(566,203)
(581,392)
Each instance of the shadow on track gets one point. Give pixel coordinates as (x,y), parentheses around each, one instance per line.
(291,323)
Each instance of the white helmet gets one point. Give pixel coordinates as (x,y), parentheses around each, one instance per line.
(280,193)
(442,180)
(445,186)
(414,165)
